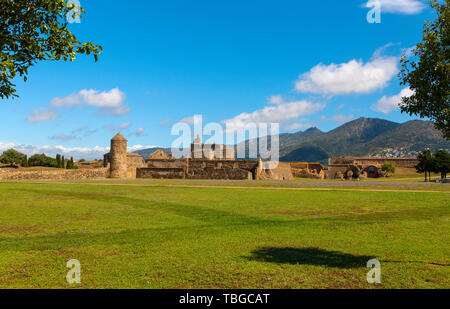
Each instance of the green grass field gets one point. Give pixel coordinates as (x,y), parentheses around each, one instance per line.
(213,234)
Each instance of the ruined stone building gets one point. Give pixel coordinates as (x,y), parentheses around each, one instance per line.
(211,151)
(308,170)
(203,163)
(367,167)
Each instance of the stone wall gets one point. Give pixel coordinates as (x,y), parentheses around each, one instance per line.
(198,169)
(167,163)
(247,165)
(340,165)
(308,170)
(118,157)
(282,172)
(214,169)
(337,169)
(220,173)
(57,174)
(134,161)
(376,161)
(161,173)
(306,165)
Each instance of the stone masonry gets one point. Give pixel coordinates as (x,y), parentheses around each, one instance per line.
(118,157)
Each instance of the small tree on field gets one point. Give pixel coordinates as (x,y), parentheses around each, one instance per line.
(389,168)
(25,161)
(58,160)
(12,156)
(71,164)
(442,163)
(426,163)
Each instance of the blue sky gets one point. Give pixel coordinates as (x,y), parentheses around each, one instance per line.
(299,63)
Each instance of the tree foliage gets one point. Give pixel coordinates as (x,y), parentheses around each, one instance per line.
(25,161)
(437,163)
(58,160)
(12,156)
(36,30)
(426,164)
(388,168)
(442,163)
(427,71)
(42,160)
(71,164)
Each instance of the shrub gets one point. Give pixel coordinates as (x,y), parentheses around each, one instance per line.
(388,168)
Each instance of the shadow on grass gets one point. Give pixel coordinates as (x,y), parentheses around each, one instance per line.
(309,256)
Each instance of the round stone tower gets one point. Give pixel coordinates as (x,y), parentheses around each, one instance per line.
(118,157)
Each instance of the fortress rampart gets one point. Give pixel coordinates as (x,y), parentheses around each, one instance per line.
(367,167)
(202,164)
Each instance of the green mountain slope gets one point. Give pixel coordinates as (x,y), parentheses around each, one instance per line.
(368,136)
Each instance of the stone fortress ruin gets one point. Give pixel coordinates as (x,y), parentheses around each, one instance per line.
(210,161)
(349,168)
(206,161)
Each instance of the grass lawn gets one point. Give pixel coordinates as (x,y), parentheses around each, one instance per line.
(172,234)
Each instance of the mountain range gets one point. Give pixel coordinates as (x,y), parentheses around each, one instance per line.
(360,137)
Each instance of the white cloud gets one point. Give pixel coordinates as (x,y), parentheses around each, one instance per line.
(342,118)
(87,131)
(340,107)
(63,137)
(276,99)
(354,76)
(108,102)
(140,131)
(68,101)
(192,119)
(297,126)
(41,115)
(275,114)
(165,122)
(387,104)
(88,153)
(408,7)
(124,125)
